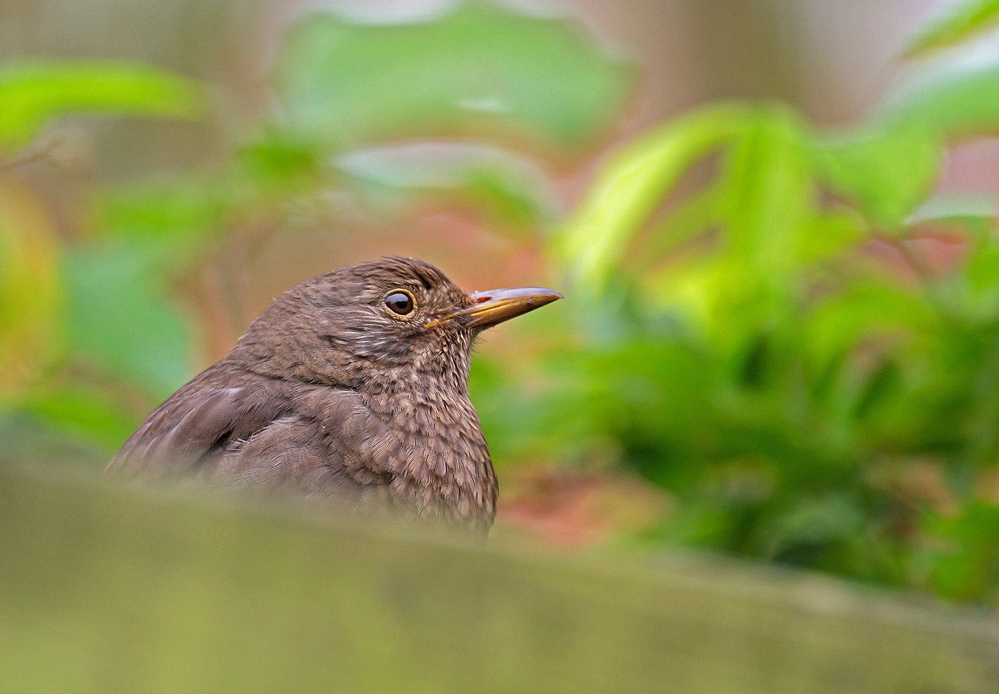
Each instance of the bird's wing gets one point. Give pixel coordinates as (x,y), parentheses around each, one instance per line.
(259,432)
(196,424)
(326,439)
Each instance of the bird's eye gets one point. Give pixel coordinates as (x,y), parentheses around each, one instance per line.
(400,301)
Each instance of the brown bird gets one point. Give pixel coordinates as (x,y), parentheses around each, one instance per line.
(352,388)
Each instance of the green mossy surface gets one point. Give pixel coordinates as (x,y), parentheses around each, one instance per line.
(108,589)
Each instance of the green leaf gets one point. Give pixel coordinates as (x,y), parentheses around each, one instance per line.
(119,320)
(889,167)
(31,290)
(279,161)
(830,234)
(32,442)
(767,196)
(865,309)
(170,221)
(32,93)
(946,103)
(952,26)
(632,185)
(888,172)
(982,270)
(949,206)
(692,218)
(969,565)
(512,191)
(83,412)
(481,69)
(819,521)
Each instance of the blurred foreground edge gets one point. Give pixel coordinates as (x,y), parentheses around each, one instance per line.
(110,589)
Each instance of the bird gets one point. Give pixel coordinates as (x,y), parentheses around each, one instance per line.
(350,389)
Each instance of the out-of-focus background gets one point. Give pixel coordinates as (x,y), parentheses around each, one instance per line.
(773,221)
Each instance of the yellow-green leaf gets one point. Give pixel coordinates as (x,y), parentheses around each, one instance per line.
(953,25)
(632,185)
(32,93)
(30,290)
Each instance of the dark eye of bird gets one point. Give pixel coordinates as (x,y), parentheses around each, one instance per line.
(400,302)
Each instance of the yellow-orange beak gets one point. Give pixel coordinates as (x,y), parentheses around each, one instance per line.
(498,305)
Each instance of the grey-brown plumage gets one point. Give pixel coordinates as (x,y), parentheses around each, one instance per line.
(352,387)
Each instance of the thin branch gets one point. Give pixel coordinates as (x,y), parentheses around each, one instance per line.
(38,153)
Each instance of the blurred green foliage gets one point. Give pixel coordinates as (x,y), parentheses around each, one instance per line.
(958,22)
(97,314)
(479,69)
(34,92)
(782,348)
(778,347)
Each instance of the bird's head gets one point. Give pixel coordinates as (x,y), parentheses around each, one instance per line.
(393,318)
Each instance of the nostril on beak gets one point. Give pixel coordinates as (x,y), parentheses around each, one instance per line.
(482,299)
